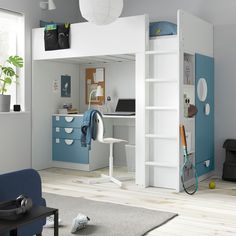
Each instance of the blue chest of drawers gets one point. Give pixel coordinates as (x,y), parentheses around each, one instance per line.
(66,133)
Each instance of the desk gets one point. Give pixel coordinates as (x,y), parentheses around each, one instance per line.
(37,212)
(67,150)
(104,116)
(122,127)
(119,117)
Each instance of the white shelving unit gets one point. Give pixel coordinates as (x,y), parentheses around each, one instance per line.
(165,87)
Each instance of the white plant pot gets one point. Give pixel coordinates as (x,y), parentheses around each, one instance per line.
(5,101)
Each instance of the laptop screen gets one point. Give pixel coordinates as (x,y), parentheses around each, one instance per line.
(125,105)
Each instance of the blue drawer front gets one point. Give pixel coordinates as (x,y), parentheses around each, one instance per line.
(203,169)
(66,133)
(67,121)
(71,152)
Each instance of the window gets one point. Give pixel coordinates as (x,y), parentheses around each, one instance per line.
(12,43)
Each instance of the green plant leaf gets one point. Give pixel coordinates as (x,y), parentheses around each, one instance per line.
(8,71)
(8,80)
(16,61)
(3,90)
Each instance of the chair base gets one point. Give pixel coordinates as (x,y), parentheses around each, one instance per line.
(107,179)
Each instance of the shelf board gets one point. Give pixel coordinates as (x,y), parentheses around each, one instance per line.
(189,86)
(160,52)
(161,108)
(160,164)
(156,80)
(163,37)
(189,118)
(154,136)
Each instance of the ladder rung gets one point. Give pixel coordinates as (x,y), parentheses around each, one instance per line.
(153,80)
(154,136)
(161,164)
(160,108)
(159,52)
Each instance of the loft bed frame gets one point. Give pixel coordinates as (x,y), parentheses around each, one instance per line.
(125,36)
(159,74)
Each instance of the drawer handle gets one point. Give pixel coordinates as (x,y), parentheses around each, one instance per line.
(69,130)
(57,118)
(57,129)
(69,119)
(69,142)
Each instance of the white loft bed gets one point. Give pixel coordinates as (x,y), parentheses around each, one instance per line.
(159,82)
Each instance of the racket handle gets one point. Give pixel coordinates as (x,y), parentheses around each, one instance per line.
(183,136)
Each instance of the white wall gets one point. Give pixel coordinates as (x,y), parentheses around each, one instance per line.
(225,86)
(66,11)
(45,103)
(15,142)
(15,129)
(217,12)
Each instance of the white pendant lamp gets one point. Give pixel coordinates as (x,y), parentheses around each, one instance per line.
(101,12)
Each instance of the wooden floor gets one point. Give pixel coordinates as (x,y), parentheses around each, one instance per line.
(209,212)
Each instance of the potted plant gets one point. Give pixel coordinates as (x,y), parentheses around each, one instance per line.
(8,75)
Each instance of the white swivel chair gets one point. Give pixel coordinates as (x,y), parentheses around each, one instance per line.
(111,142)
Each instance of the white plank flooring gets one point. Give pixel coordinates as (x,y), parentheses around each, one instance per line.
(209,212)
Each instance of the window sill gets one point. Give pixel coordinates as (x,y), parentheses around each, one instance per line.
(15,113)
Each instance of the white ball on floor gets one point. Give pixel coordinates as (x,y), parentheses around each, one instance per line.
(79,222)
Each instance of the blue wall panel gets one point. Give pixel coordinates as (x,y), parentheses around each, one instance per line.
(204,68)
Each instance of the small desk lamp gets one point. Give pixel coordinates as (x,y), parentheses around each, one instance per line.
(99,93)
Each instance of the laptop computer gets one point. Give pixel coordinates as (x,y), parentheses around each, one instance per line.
(124,107)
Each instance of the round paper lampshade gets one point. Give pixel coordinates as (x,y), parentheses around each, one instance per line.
(101,12)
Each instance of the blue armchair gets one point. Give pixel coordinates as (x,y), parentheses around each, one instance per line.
(27,182)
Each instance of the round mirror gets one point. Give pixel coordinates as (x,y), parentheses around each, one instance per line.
(207,109)
(202,89)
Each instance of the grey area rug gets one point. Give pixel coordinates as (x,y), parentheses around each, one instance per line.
(106,219)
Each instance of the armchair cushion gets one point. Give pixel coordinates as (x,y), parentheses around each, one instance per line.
(26,182)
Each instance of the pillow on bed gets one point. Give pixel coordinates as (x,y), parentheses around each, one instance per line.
(162,28)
